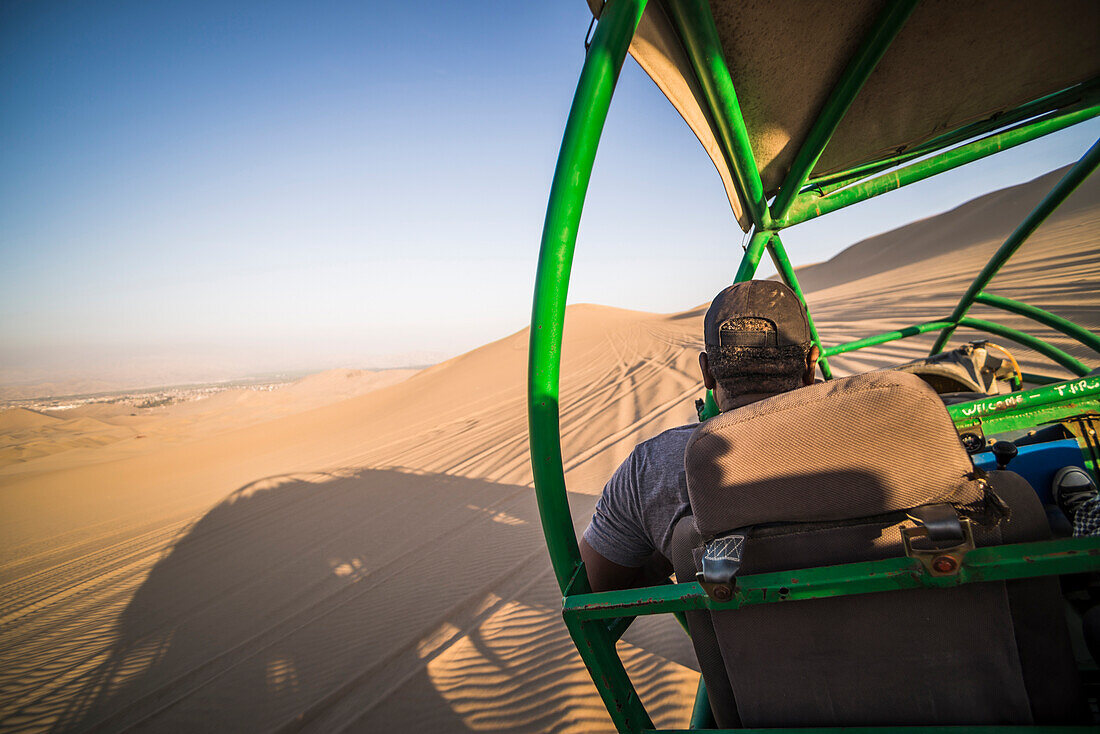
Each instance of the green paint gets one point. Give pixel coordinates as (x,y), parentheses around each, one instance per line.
(751,260)
(1029,408)
(809,205)
(1067,327)
(1046,349)
(1067,101)
(1032,342)
(710,407)
(1067,185)
(888,336)
(597,650)
(786,272)
(701,715)
(995,563)
(559,237)
(695,25)
(587,115)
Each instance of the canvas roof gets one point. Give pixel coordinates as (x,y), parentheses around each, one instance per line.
(952,63)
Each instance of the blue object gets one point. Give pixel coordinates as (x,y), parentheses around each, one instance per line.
(1038,463)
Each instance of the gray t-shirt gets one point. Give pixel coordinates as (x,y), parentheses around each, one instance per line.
(642,501)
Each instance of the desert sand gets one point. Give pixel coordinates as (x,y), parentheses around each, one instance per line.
(374,562)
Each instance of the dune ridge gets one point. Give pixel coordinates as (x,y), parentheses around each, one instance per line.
(375,563)
(62,438)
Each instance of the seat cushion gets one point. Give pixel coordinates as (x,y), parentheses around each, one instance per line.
(824,475)
(853,447)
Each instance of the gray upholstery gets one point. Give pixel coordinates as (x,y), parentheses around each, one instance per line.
(838,449)
(826,473)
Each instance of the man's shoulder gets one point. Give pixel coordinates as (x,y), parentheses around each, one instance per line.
(672,442)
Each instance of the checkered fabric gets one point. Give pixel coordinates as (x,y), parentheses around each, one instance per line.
(1086,521)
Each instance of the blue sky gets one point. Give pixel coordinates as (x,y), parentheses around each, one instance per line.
(241,187)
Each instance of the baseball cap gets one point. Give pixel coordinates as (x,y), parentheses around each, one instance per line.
(761,299)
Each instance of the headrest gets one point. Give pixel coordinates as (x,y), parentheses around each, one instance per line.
(854,447)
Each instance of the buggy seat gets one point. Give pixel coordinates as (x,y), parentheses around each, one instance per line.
(829,474)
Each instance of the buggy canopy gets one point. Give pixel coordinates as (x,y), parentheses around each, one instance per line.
(951,67)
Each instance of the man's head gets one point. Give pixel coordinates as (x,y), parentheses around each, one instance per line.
(758,343)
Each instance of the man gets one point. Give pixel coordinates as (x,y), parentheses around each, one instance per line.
(758,344)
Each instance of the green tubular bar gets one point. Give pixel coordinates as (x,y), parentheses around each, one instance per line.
(999,413)
(595,641)
(1047,350)
(1054,321)
(559,236)
(840,99)
(1061,191)
(810,206)
(695,24)
(1068,100)
(838,182)
(786,272)
(597,650)
(1032,342)
(994,563)
(751,259)
(701,716)
(888,336)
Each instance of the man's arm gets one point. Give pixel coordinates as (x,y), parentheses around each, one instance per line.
(605,575)
(616,548)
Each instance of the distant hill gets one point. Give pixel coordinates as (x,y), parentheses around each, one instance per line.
(16,419)
(992,216)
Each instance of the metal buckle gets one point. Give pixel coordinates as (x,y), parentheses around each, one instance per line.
(721,561)
(939,561)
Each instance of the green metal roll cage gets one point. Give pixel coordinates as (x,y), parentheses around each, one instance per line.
(597,621)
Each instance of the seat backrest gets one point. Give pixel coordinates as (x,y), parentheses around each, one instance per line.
(824,475)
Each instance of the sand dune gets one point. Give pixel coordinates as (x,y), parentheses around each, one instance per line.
(376,563)
(31,441)
(19,419)
(990,217)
